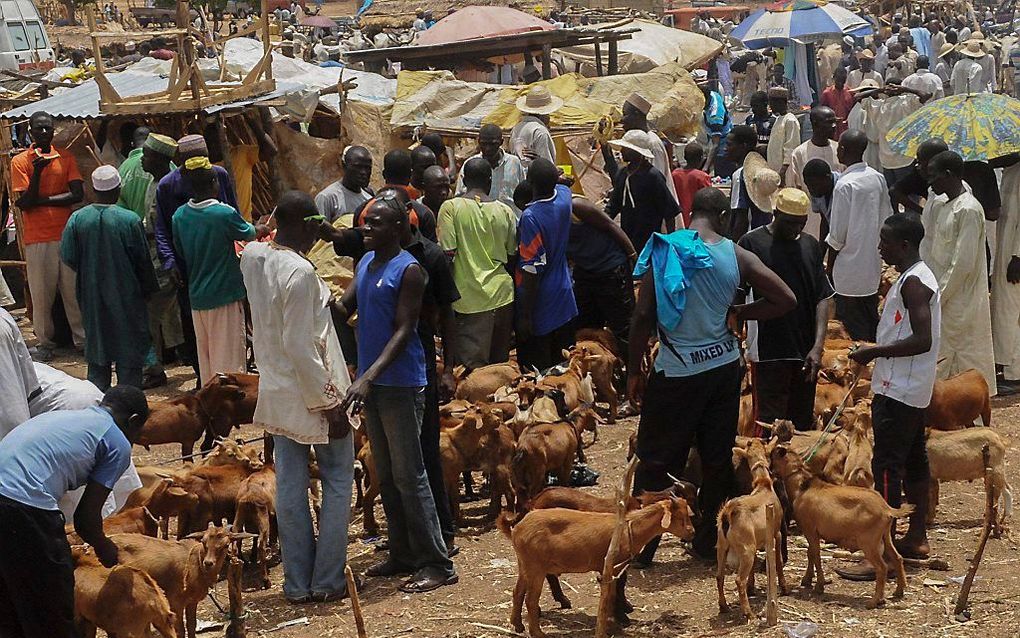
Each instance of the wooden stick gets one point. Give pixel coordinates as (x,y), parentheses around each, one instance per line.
(235,627)
(352,591)
(609,574)
(772,600)
(986,530)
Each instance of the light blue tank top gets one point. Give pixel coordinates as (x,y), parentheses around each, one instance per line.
(702,341)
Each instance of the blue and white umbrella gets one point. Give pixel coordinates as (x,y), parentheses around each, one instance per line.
(802,20)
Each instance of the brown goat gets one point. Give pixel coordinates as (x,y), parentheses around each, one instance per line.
(541,449)
(956,456)
(174,421)
(256,513)
(602,365)
(855,518)
(460,449)
(957,401)
(743,529)
(216,488)
(134,520)
(560,541)
(226,401)
(482,382)
(122,601)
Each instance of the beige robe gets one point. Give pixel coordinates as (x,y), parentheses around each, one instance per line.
(1006,296)
(953,247)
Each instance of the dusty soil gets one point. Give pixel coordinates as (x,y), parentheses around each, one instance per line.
(675,597)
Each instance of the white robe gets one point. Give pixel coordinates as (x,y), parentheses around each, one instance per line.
(17,376)
(1006,296)
(953,247)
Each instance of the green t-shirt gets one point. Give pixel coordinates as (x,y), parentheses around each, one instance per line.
(481,236)
(204,236)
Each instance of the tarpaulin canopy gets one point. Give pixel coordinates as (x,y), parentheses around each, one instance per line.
(652,45)
(475,22)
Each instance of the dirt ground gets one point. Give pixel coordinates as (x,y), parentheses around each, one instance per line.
(675,597)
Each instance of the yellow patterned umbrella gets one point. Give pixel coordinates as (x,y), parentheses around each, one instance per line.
(978,126)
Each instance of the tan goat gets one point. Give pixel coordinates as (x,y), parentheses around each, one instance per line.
(956,456)
(256,513)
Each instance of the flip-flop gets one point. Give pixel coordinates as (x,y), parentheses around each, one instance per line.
(428,583)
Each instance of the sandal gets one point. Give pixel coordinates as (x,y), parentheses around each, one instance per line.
(426,583)
(388,567)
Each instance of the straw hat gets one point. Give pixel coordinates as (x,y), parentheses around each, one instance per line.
(866,54)
(636,141)
(639,102)
(539,101)
(865,85)
(761,182)
(946,49)
(793,201)
(973,49)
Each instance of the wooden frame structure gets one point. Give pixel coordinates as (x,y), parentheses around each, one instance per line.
(187,90)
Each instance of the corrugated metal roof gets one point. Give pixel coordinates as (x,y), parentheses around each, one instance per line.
(82,102)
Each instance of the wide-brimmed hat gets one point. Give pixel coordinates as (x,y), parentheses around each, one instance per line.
(539,101)
(866,84)
(636,141)
(866,54)
(946,49)
(793,201)
(973,49)
(761,182)
(639,102)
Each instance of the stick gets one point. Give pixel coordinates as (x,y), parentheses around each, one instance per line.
(968,581)
(772,601)
(352,590)
(235,628)
(609,575)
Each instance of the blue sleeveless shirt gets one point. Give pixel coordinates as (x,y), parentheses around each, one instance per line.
(702,341)
(378,290)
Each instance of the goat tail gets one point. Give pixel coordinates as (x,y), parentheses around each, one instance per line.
(505,522)
(1007,501)
(902,512)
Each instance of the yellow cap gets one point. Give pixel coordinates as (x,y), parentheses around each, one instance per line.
(793,201)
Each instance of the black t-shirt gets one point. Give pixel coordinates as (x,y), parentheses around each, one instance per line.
(978,175)
(643,205)
(440,290)
(799,264)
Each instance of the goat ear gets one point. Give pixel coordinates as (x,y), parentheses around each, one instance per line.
(565,353)
(237,536)
(667,515)
(196,535)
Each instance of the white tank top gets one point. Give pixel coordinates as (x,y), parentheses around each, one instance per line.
(907,379)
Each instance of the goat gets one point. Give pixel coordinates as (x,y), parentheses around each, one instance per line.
(956,456)
(957,401)
(256,512)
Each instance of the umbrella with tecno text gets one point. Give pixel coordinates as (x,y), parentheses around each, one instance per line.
(801,20)
(978,126)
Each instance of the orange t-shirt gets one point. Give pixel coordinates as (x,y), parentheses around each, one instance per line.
(44,223)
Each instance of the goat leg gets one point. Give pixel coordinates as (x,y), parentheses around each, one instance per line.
(622,603)
(557,591)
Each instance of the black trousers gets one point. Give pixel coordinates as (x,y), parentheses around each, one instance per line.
(545,351)
(679,412)
(782,392)
(859,316)
(605,300)
(36,573)
(429,438)
(188,350)
(900,455)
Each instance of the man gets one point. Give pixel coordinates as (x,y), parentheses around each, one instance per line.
(881,116)
(105,245)
(860,200)
(785,135)
(980,177)
(838,98)
(953,247)
(924,81)
(635,118)
(140,173)
(507,170)
(444,154)
(903,378)
(350,191)
(693,394)
(1013,57)
(435,188)
(303,376)
(820,146)
(786,352)
(387,294)
(922,39)
(46,183)
(967,72)
(172,193)
(778,80)
(422,158)
(397,172)
(866,72)
(752,64)
(761,119)
(690,179)
(743,213)
(1005,302)
(944,67)
(717,124)
(938,41)
(820,181)
(989,75)
(640,195)
(18,381)
(479,236)
(899,64)
(545,297)
(530,138)
(39,461)
(205,230)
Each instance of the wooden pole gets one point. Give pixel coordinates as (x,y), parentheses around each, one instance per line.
(235,627)
(614,56)
(609,574)
(598,58)
(266,44)
(771,602)
(546,62)
(186,48)
(986,530)
(352,591)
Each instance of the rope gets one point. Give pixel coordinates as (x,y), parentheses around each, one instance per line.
(835,415)
(204,452)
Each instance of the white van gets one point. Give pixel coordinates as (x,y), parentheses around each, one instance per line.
(24,45)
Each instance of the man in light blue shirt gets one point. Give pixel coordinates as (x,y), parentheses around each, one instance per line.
(40,460)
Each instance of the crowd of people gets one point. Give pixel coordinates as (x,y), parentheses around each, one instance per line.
(496,255)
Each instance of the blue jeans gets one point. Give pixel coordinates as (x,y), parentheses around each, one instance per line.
(311,566)
(392,419)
